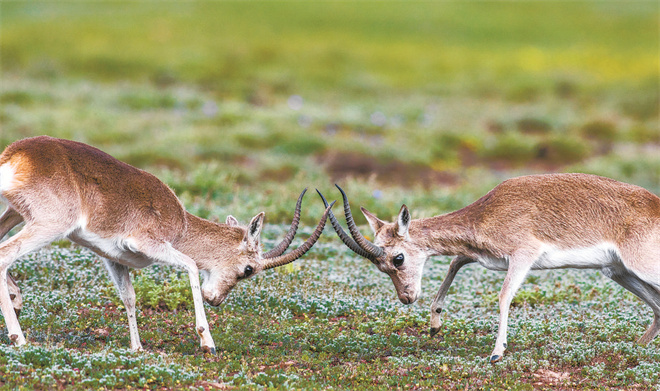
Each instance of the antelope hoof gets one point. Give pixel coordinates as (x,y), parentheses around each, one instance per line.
(495,358)
(433,331)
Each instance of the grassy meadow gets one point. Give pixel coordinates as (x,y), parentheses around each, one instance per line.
(240,105)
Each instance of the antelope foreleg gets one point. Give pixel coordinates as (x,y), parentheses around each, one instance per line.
(167,254)
(436,308)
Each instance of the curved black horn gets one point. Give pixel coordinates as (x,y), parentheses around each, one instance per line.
(300,251)
(348,241)
(369,247)
(281,248)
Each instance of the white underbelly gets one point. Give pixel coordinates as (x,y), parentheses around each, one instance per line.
(551,257)
(492,263)
(593,257)
(120,250)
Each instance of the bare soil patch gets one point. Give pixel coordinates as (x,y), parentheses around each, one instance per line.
(342,165)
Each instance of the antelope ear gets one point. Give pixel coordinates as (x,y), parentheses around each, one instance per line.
(253,234)
(403,222)
(231,221)
(374,222)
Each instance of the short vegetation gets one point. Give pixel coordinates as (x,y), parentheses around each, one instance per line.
(239,106)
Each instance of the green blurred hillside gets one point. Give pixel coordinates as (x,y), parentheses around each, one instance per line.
(235,48)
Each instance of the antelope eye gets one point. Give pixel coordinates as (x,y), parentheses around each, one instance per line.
(398,260)
(248,271)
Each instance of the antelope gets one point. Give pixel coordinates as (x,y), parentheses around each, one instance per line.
(67,189)
(534,222)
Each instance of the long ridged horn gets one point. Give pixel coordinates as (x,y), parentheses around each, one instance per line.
(369,247)
(348,241)
(300,251)
(281,248)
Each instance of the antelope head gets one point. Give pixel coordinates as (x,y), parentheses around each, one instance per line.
(242,257)
(392,251)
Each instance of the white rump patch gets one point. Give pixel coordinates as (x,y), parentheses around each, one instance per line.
(7,173)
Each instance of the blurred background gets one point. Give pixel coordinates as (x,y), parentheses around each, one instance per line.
(240,105)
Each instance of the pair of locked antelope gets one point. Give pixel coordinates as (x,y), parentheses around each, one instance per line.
(66,189)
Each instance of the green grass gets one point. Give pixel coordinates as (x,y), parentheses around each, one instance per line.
(329,321)
(240,105)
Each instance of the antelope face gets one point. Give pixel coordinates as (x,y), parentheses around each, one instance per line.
(218,283)
(392,251)
(402,260)
(244,259)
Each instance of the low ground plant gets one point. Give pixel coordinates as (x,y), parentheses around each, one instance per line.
(328,321)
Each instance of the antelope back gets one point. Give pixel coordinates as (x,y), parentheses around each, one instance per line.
(47,178)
